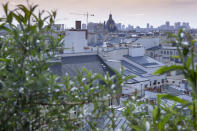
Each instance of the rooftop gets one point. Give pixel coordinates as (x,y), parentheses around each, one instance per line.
(73,64)
(154,48)
(133,69)
(162,47)
(144,61)
(121,122)
(172,90)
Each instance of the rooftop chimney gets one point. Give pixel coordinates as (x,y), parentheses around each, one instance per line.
(78,25)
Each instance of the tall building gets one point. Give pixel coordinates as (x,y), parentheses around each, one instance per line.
(78,25)
(186,25)
(58,27)
(167,24)
(123,27)
(84,26)
(148,26)
(130,27)
(95,33)
(119,26)
(92,27)
(177,25)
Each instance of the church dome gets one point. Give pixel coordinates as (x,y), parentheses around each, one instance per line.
(110,25)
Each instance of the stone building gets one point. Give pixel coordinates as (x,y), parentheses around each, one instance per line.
(110,26)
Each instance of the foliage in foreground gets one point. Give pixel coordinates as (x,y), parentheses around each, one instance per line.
(32,98)
(182,114)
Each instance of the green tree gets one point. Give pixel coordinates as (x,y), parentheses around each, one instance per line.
(24,76)
(33,98)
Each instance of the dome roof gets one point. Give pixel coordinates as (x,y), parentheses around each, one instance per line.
(110,25)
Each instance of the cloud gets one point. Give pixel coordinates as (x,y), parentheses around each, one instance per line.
(180,2)
(13,3)
(139,14)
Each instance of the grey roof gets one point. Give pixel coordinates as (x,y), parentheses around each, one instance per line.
(155,48)
(105,122)
(73,64)
(56,68)
(121,122)
(142,60)
(133,69)
(129,73)
(115,40)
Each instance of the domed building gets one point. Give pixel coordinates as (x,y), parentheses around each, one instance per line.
(110,26)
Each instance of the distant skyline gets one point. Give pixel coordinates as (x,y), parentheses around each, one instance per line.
(133,12)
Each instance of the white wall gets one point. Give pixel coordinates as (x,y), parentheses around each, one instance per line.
(129,89)
(75,41)
(116,54)
(148,42)
(92,38)
(136,51)
(152,70)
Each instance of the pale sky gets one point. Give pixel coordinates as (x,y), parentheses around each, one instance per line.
(134,12)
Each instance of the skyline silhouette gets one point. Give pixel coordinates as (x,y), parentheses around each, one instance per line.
(134,12)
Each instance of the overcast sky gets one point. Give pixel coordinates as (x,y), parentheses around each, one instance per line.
(134,12)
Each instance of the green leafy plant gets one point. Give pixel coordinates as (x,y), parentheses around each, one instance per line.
(31,96)
(162,116)
(24,76)
(187,55)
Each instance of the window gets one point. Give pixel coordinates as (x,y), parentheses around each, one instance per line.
(151,54)
(110,102)
(178,72)
(155,82)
